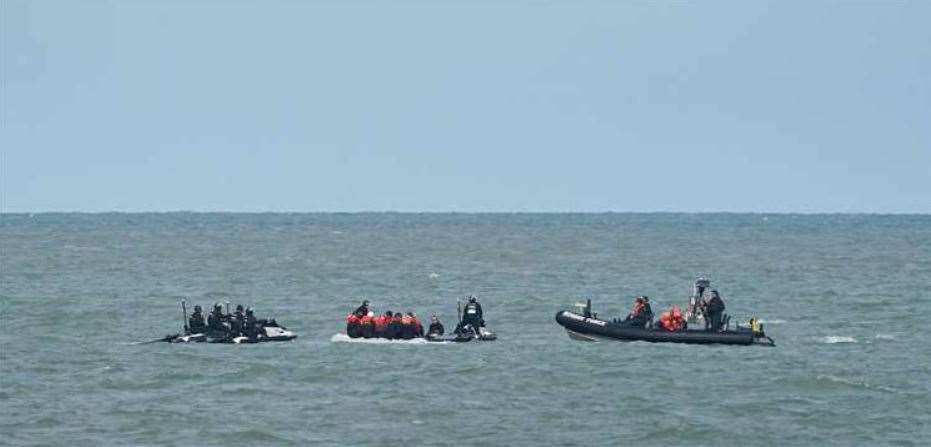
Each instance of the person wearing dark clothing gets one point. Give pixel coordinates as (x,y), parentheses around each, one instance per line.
(250,326)
(436,328)
(217,321)
(472,314)
(236,321)
(714,310)
(362,310)
(196,323)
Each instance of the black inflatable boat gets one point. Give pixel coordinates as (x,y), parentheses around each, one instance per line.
(580,327)
(464,336)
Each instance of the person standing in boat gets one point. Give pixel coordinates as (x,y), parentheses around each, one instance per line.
(473,315)
(714,309)
(250,326)
(196,323)
(237,320)
(216,322)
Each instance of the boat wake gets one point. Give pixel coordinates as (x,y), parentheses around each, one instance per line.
(773,321)
(834,339)
(343,338)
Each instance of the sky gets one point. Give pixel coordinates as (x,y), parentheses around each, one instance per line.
(433,106)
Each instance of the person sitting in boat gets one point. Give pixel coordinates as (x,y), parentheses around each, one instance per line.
(217,322)
(640,315)
(407,327)
(714,310)
(367,325)
(672,320)
(394,327)
(416,325)
(362,310)
(196,323)
(436,328)
(472,314)
(381,324)
(352,326)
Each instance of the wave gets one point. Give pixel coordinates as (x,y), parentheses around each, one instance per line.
(884,337)
(856,383)
(343,338)
(773,321)
(832,339)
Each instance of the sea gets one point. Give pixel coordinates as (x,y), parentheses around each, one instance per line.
(845,297)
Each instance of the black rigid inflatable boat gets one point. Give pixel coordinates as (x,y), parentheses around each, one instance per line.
(585,328)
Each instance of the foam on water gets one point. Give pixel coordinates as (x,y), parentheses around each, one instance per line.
(343,338)
(833,339)
(772,321)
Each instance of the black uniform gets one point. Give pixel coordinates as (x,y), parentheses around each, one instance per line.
(216,321)
(472,314)
(714,310)
(250,325)
(436,328)
(362,310)
(196,323)
(236,322)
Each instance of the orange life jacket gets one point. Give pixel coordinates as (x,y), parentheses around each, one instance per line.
(366,320)
(352,319)
(406,320)
(381,322)
(638,308)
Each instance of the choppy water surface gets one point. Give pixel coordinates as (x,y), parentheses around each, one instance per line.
(846,298)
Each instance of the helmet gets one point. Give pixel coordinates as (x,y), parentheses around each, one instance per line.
(714,293)
(197,308)
(471,299)
(365,302)
(249,311)
(646,299)
(239,308)
(217,306)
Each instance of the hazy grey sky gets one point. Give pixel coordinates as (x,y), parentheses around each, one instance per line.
(466,106)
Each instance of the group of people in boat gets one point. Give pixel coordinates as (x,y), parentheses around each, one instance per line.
(363,323)
(223,325)
(711,307)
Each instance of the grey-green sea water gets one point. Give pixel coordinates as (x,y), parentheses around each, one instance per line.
(846,297)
